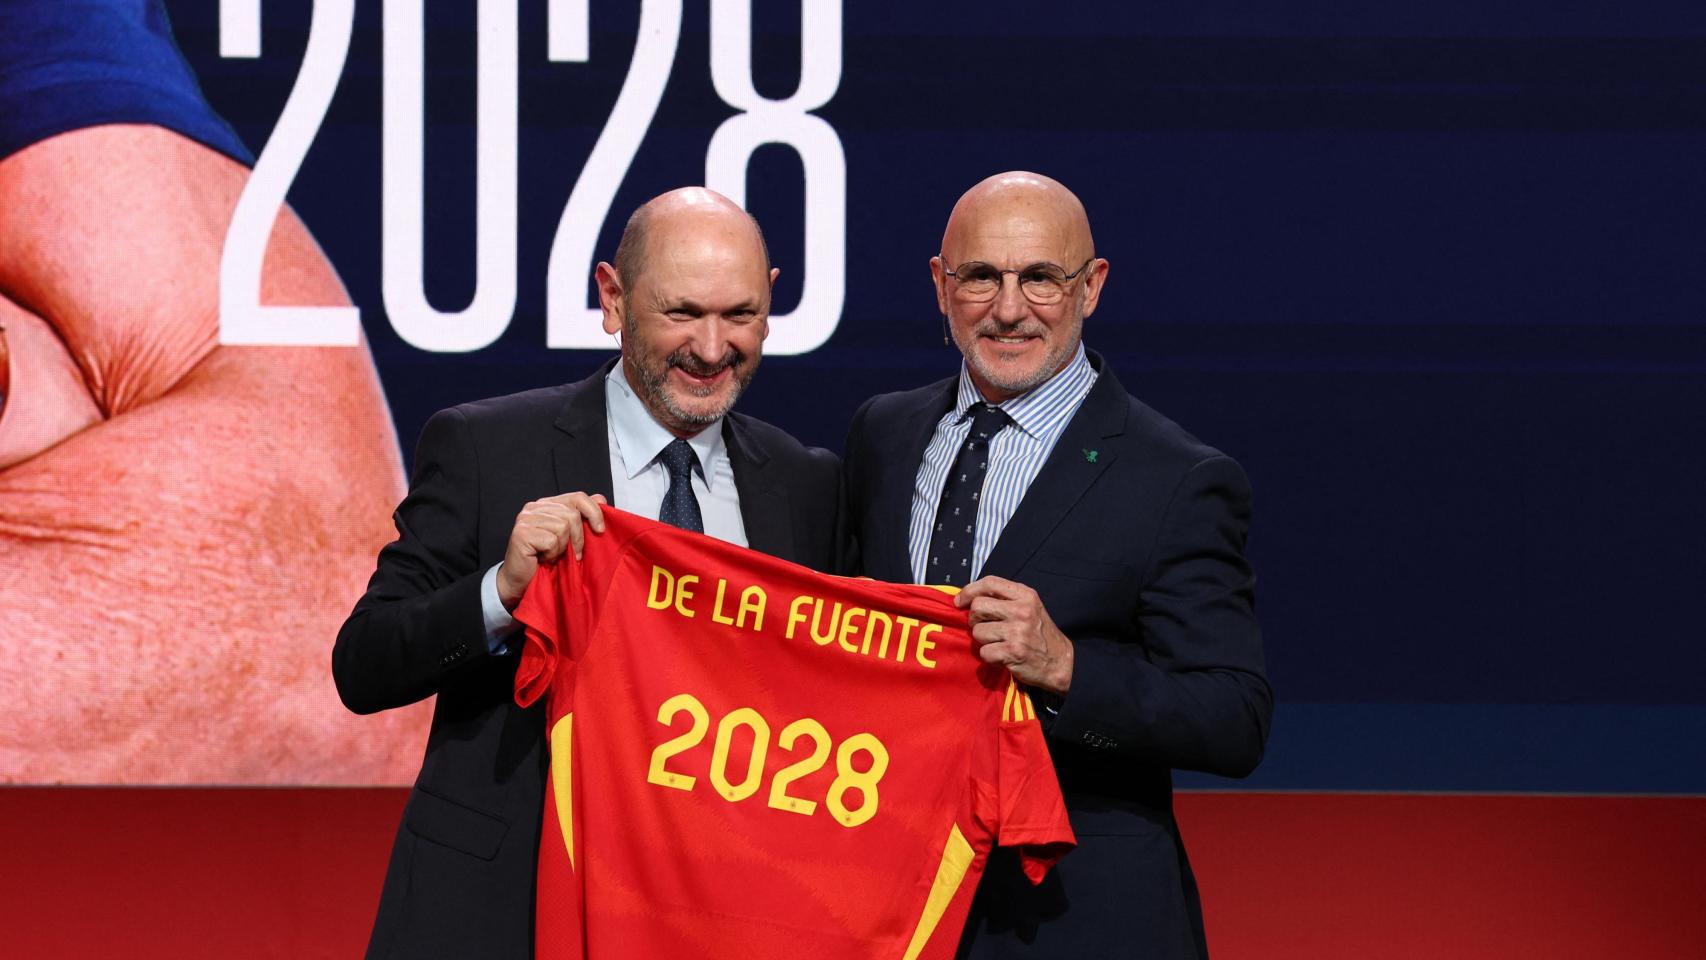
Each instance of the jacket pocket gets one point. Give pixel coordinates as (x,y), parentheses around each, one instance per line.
(1078,568)
(446,822)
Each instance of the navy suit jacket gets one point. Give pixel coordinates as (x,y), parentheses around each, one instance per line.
(1133,535)
(461,878)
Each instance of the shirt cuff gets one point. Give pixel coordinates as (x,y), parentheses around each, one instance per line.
(1050,703)
(499,624)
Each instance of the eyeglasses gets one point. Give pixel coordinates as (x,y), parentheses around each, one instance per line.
(1041,283)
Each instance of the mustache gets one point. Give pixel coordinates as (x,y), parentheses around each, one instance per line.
(685,359)
(1023,328)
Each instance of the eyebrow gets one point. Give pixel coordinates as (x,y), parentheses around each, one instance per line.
(1033,263)
(694,306)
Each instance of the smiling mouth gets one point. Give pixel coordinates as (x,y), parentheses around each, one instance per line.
(705,374)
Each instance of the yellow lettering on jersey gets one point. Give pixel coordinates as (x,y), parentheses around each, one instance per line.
(876,617)
(849,777)
(923,645)
(848,625)
(752,600)
(854,628)
(682,594)
(659,599)
(950,873)
(906,625)
(675,590)
(717,615)
(668,590)
(563,780)
(827,636)
(797,615)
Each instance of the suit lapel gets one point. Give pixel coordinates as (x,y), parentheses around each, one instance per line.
(763,500)
(1078,458)
(889,555)
(581,454)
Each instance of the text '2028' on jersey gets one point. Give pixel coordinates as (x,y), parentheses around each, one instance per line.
(749,759)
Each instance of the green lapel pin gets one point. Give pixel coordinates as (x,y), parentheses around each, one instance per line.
(1090,456)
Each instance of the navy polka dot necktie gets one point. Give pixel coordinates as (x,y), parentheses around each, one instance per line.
(951,539)
(680,507)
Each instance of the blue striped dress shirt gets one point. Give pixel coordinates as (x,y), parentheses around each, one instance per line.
(1015,456)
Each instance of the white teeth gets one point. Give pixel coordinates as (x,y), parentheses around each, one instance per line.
(1011,339)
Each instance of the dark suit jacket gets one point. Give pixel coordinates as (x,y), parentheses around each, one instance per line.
(1133,535)
(461,879)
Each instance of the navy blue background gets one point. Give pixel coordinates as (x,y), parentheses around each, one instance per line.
(1431,272)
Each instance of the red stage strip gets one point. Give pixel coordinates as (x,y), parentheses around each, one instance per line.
(1396,876)
(144,873)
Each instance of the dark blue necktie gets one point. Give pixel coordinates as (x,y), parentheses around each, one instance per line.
(680,507)
(951,539)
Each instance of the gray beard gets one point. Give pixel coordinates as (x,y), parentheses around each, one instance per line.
(653,386)
(1009,383)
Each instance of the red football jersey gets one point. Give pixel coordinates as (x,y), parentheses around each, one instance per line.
(749,759)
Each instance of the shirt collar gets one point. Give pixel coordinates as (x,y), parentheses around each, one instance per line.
(638,438)
(1031,410)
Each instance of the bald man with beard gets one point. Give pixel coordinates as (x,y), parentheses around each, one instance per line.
(502,485)
(1100,549)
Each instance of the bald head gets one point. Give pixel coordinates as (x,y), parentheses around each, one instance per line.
(1018,208)
(690,213)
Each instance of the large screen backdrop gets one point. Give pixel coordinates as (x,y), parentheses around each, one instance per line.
(1431,273)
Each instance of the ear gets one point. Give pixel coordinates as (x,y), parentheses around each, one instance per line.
(764,324)
(609,296)
(939,274)
(1095,275)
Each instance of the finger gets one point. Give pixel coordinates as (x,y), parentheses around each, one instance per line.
(970,592)
(993,587)
(545,544)
(551,508)
(541,534)
(591,512)
(995,653)
(588,508)
(985,609)
(571,536)
(542,520)
(576,534)
(997,631)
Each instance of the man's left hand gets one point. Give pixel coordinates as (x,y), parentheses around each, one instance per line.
(1012,628)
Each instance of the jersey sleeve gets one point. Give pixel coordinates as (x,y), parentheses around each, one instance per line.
(1032,815)
(559,616)
(560,610)
(544,615)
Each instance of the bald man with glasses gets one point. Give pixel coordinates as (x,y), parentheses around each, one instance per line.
(1100,552)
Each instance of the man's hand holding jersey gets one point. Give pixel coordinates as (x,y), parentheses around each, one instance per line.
(543,530)
(1013,628)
